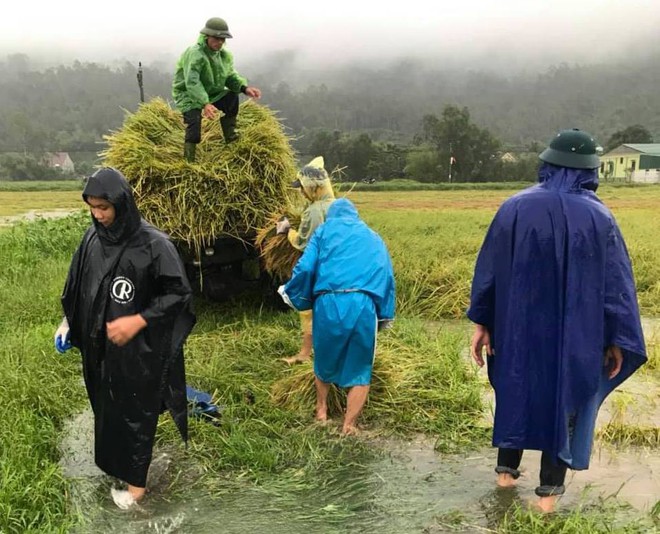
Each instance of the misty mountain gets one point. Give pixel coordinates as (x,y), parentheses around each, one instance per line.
(70,107)
(517,108)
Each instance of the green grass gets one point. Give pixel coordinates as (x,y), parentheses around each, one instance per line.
(38,388)
(420,383)
(434,238)
(628,435)
(595,519)
(425,386)
(36,185)
(605,516)
(234,353)
(403,184)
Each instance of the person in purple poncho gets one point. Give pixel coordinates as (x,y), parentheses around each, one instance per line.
(555,306)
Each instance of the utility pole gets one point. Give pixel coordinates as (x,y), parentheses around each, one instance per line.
(451,161)
(139,79)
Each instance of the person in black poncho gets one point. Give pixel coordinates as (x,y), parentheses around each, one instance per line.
(128,309)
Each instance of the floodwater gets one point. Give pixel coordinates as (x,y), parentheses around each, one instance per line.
(33,215)
(406,487)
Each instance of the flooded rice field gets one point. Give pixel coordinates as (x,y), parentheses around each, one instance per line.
(405,487)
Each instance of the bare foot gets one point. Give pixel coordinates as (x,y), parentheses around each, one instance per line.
(299,358)
(323,423)
(136,492)
(321,414)
(545,505)
(350,431)
(505,480)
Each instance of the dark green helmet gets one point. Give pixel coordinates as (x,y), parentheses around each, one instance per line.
(216,27)
(572,148)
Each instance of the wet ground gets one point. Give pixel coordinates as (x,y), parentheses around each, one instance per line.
(406,489)
(409,487)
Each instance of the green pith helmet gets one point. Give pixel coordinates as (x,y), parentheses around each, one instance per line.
(216,27)
(572,148)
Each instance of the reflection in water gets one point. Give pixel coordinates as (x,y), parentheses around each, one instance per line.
(404,489)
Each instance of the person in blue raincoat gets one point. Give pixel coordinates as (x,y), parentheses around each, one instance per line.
(345,275)
(554,302)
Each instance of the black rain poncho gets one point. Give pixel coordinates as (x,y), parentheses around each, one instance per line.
(127,268)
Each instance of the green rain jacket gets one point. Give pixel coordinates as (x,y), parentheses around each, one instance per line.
(204,76)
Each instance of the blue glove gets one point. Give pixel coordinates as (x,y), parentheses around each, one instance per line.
(62,340)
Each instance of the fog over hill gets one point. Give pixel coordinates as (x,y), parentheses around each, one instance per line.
(523,69)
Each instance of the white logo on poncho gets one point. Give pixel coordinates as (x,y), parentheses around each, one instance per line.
(122,290)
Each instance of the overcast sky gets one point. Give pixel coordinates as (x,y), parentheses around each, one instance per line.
(459,32)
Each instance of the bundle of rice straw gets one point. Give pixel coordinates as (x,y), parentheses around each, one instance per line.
(278,255)
(417,384)
(296,390)
(230,189)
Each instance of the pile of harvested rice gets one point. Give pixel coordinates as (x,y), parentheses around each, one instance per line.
(296,391)
(417,384)
(230,189)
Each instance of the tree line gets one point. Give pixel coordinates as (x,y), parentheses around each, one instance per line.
(406,119)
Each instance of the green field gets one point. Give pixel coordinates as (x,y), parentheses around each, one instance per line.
(36,185)
(434,238)
(423,383)
(421,228)
(15,203)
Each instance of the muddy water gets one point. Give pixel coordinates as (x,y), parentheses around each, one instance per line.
(404,489)
(33,215)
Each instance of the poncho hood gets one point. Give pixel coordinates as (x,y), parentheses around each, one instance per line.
(111,185)
(342,209)
(566,179)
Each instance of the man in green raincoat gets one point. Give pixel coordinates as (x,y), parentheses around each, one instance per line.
(205,81)
(314,184)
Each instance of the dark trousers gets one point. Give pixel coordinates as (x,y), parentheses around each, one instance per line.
(228,104)
(552,476)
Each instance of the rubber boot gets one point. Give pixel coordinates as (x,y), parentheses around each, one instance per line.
(189,150)
(228,125)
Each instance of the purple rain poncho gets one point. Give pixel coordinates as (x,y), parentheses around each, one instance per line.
(554,286)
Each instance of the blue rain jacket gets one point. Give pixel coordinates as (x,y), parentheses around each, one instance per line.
(554,286)
(345,275)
